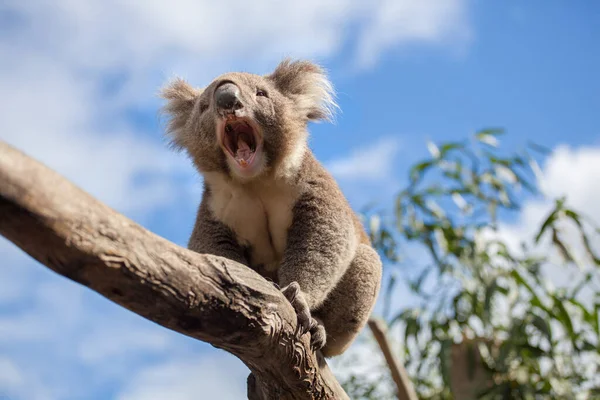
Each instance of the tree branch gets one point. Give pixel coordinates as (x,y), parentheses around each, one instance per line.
(209,298)
(399,375)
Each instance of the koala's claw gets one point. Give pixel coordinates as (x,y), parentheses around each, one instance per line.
(306,323)
(318,337)
(296,298)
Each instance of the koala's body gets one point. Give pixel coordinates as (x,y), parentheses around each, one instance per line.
(268,203)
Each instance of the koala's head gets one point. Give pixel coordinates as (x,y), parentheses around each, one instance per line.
(246,125)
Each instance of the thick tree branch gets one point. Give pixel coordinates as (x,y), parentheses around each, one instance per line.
(209,298)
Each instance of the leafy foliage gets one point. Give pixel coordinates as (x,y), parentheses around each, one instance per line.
(362,388)
(480,288)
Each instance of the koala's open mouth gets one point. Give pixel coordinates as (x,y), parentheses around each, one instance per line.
(241,141)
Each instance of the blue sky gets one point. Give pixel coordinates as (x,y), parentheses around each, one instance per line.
(78,85)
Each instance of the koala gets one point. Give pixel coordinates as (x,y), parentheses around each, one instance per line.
(268,203)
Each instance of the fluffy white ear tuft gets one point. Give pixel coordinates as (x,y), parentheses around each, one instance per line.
(307,84)
(181,98)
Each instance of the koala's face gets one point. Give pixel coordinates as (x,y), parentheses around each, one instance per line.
(250,121)
(246,125)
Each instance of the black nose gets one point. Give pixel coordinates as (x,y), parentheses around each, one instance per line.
(227,97)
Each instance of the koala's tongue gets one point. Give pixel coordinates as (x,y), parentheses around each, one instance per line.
(243,152)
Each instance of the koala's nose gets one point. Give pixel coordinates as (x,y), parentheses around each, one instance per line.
(227,97)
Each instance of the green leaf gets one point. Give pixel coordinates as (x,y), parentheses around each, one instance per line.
(536,302)
(587,346)
(562,248)
(488,136)
(412,328)
(505,173)
(587,314)
(489,297)
(583,283)
(521,281)
(417,170)
(388,295)
(459,200)
(539,148)
(445,148)
(402,316)
(445,360)
(543,326)
(597,319)
(416,284)
(584,238)
(547,223)
(492,131)
(564,317)
(531,351)
(433,149)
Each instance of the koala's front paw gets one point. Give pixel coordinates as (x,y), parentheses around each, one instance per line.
(306,323)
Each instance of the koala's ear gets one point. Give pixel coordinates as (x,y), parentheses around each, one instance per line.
(307,84)
(181,98)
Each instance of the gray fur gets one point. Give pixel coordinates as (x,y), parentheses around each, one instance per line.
(287,219)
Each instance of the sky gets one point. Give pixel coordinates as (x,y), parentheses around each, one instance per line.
(78,91)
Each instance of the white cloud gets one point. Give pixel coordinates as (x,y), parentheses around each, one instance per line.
(215,377)
(51,305)
(136,34)
(62,122)
(10,376)
(70,343)
(120,340)
(14,279)
(16,384)
(570,172)
(574,173)
(370,163)
(394,22)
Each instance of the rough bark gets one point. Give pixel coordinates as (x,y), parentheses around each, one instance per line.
(469,375)
(209,298)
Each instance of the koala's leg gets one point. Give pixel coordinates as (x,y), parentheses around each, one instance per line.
(321,243)
(348,307)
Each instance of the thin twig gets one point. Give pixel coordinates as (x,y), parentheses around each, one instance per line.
(405,388)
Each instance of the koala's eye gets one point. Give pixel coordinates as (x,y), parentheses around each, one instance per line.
(203,107)
(261,92)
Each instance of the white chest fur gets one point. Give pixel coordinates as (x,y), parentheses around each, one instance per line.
(259,214)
